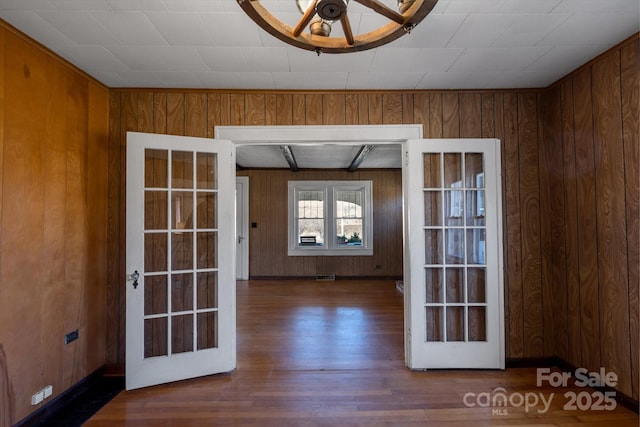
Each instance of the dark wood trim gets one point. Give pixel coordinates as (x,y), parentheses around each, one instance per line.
(45,412)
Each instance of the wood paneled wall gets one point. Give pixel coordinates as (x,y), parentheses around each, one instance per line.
(53,199)
(268,200)
(591,178)
(511,116)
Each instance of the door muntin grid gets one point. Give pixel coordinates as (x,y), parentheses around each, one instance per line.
(180,252)
(455,302)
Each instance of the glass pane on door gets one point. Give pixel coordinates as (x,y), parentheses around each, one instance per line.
(180,252)
(455,232)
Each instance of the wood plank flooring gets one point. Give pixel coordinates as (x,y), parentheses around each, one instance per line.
(331,354)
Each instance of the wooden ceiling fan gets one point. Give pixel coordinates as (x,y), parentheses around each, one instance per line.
(318,15)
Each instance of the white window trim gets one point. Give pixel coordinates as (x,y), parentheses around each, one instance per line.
(331,248)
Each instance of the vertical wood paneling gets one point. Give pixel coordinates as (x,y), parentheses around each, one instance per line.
(270,109)
(421,112)
(175,113)
(375,110)
(407,109)
(470,115)
(284,109)
(630,85)
(225,110)
(298,106)
(571,227)
(237,110)
(392,108)
(145,112)
(333,105)
(488,115)
(255,109)
(435,116)
(196,114)
(114,230)
(611,226)
(213,113)
(530,226)
(363,109)
(97,176)
(554,291)
(46,291)
(160,112)
(23,219)
(313,109)
(586,212)
(76,250)
(513,249)
(351,109)
(55,199)
(450,115)
(599,118)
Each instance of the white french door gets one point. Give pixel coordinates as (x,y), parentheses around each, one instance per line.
(180,313)
(453,254)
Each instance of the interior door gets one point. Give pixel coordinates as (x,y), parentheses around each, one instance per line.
(453,254)
(180,260)
(242,227)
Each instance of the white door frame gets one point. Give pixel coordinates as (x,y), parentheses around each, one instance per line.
(329,135)
(315,135)
(242,228)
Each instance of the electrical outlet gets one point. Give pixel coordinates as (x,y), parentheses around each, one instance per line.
(48,391)
(37,398)
(71,336)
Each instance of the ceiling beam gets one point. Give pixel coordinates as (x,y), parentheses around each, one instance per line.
(288,155)
(362,153)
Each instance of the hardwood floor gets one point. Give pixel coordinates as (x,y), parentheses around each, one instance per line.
(331,354)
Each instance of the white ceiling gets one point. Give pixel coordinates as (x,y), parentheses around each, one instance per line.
(326,156)
(462,44)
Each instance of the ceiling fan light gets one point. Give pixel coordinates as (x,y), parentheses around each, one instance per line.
(319,15)
(331,10)
(320,27)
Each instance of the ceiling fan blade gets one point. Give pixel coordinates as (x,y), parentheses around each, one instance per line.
(379,7)
(346,27)
(306,18)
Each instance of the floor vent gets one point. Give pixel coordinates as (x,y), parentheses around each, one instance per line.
(326,277)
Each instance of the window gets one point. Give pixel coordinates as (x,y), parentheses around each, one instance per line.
(330,218)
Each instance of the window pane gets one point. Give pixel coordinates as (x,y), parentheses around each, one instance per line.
(349,232)
(310,204)
(155,168)
(310,218)
(349,204)
(182,169)
(348,216)
(310,232)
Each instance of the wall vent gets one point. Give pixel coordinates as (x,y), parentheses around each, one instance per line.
(326,277)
